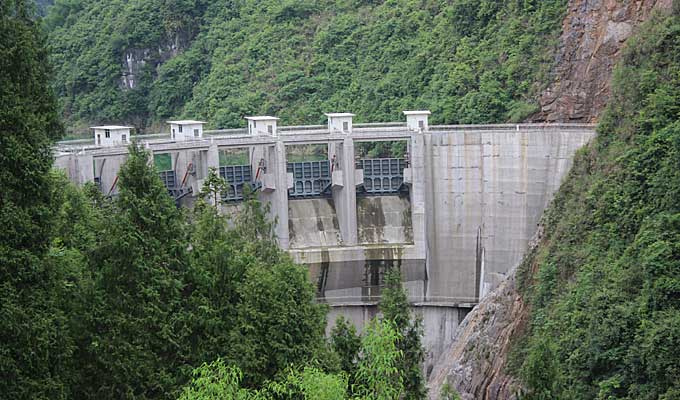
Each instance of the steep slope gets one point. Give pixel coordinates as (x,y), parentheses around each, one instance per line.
(593,311)
(142,61)
(593,34)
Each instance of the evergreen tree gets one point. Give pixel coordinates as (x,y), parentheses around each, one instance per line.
(250,304)
(34,340)
(213,187)
(346,344)
(280,324)
(216,268)
(135,348)
(395,308)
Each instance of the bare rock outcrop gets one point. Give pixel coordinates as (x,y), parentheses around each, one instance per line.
(475,364)
(593,34)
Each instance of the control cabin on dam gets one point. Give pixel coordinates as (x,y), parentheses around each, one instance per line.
(453,207)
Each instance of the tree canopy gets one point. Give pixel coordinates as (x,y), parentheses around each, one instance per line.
(605,314)
(141,62)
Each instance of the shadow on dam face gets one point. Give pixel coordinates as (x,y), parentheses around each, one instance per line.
(362,281)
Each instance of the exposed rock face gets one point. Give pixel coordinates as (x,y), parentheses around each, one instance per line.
(475,364)
(134,60)
(593,34)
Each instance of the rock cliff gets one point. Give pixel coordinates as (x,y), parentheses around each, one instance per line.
(475,364)
(593,34)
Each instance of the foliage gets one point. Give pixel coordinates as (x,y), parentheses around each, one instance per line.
(279,322)
(448,392)
(213,187)
(35,343)
(346,343)
(383,149)
(132,348)
(217,381)
(467,61)
(605,313)
(395,308)
(378,376)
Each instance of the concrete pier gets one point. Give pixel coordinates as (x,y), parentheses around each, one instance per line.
(466,203)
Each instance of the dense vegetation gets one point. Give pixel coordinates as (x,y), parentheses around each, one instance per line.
(604,284)
(123,298)
(468,61)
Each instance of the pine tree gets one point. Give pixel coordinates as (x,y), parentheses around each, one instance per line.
(34,342)
(395,308)
(135,348)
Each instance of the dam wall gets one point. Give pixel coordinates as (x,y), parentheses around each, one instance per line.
(485,193)
(454,213)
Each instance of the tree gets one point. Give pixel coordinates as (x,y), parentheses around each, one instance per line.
(346,344)
(279,322)
(135,344)
(35,344)
(213,187)
(378,376)
(395,308)
(217,381)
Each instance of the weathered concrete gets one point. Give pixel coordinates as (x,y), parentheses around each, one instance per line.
(313,223)
(486,191)
(475,195)
(384,219)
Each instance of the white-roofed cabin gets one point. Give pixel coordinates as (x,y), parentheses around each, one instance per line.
(417,120)
(262,125)
(340,122)
(111,135)
(186,130)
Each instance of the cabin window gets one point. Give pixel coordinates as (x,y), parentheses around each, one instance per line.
(124,138)
(345,126)
(270,129)
(173,133)
(99,139)
(107,133)
(421,124)
(196,133)
(180,128)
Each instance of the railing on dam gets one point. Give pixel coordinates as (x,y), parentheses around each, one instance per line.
(290,133)
(310,178)
(382,175)
(236,176)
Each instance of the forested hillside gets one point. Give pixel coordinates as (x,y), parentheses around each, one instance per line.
(594,312)
(131,297)
(604,285)
(140,62)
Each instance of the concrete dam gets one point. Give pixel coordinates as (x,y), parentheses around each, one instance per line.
(454,211)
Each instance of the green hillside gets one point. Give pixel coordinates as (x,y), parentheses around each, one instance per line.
(468,61)
(604,284)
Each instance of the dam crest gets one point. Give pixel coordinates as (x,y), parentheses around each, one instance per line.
(453,207)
